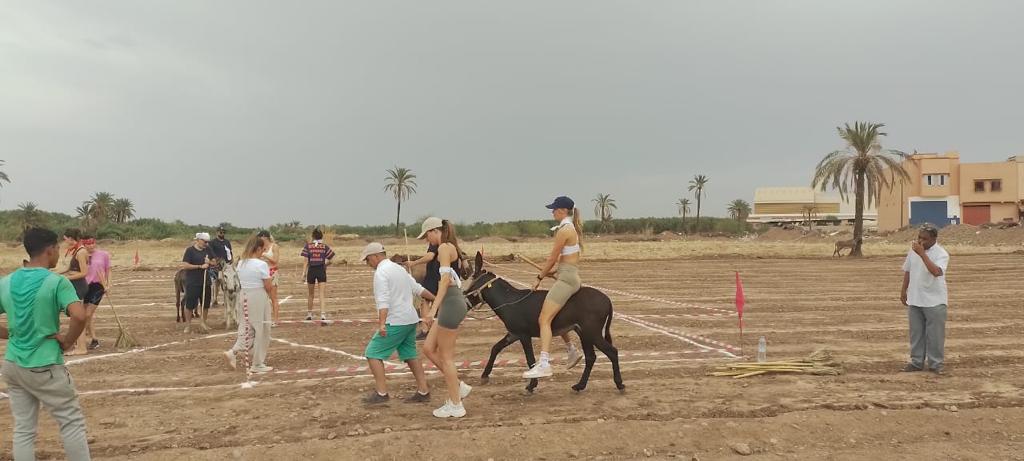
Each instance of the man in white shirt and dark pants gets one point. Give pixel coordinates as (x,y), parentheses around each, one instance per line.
(393,290)
(926,297)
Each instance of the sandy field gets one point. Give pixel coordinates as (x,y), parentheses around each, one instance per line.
(175,398)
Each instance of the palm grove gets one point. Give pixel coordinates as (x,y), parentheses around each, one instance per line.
(863,168)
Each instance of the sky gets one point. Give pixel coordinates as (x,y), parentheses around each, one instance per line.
(259,112)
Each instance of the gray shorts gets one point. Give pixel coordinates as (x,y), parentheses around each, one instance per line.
(567,284)
(453,309)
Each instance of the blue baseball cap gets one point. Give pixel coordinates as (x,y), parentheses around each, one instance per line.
(562,202)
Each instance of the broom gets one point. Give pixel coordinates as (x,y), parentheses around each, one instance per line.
(125,340)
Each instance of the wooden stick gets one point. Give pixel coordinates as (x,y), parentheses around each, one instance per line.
(535,265)
(408,256)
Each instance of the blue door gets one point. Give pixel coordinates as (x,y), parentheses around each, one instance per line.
(932,212)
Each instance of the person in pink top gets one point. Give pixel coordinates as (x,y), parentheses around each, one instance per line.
(98,278)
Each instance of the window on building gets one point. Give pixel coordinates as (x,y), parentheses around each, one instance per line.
(996,186)
(936,179)
(979,186)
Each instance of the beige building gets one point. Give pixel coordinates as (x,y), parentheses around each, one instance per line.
(942,190)
(792,204)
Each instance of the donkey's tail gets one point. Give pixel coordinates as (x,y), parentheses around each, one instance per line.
(608,327)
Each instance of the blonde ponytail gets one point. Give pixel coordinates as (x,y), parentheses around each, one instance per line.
(578,224)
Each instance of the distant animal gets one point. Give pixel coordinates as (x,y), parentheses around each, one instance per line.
(588,313)
(179,291)
(846,245)
(228,280)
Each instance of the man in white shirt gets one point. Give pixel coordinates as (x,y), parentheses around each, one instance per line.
(393,291)
(926,297)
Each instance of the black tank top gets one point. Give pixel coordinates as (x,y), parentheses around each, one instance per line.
(80,285)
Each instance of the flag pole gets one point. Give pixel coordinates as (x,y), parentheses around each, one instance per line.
(741,301)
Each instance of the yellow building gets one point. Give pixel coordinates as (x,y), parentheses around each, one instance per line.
(792,204)
(941,190)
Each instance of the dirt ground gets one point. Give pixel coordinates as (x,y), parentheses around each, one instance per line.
(176,399)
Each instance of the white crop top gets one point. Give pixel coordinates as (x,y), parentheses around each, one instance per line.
(568,249)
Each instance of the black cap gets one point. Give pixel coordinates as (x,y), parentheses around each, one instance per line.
(562,202)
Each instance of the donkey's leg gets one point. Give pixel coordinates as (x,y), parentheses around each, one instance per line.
(495,350)
(589,357)
(613,356)
(527,343)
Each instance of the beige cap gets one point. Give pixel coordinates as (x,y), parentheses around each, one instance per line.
(430,224)
(371,249)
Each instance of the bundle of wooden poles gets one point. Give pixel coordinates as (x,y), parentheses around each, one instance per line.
(819,363)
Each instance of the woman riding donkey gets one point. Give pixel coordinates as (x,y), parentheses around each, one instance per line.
(566,253)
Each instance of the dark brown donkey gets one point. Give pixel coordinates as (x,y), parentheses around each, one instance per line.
(588,312)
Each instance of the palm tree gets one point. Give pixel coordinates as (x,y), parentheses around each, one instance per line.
(684,209)
(101,205)
(603,205)
(697,185)
(3,176)
(86,214)
(122,210)
(810,212)
(401,182)
(29,216)
(862,165)
(739,210)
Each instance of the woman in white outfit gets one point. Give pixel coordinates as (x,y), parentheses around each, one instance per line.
(253,308)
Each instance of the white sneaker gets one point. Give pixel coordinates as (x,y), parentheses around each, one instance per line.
(260,369)
(538,371)
(323,317)
(309,316)
(464,389)
(232,360)
(188,329)
(449,410)
(572,358)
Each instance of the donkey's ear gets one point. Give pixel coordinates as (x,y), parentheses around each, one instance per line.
(479,263)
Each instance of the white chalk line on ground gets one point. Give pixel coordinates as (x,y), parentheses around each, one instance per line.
(325,349)
(724,312)
(141,349)
(251,384)
(651,326)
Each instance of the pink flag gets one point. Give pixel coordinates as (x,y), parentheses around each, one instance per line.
(741,300)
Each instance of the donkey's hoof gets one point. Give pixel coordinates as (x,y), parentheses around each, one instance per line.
(485,380)
(579,387)
(621,387)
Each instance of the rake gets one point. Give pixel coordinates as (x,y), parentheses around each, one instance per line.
(125,340)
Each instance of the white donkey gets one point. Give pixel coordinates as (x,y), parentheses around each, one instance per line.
(228,280)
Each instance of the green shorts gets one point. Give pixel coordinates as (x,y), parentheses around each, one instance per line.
(400,337)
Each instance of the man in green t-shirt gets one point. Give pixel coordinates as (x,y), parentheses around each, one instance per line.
(33,298)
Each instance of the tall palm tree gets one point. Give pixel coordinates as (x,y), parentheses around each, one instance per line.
(739,210)
(863,166)
(3,176)
(101,205)
(684,209)
(122,210)
(603,206)
(401,182)
(29,215)
(697,185)
(86,214)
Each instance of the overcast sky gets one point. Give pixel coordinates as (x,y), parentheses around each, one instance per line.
(257,112)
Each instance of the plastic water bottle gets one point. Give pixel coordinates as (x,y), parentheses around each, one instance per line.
(762,350)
